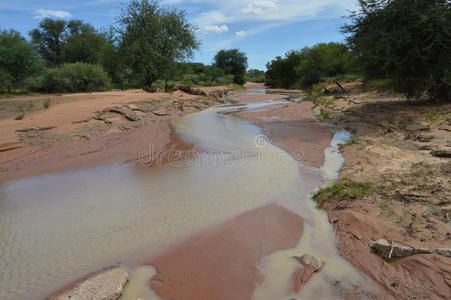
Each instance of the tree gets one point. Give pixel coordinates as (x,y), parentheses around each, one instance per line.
(89,47)
(153,39)
(310,65)
(255,75)
(49,39)
(406,41)
(18,60)
(232,62)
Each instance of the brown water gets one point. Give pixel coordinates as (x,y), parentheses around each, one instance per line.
(57,227)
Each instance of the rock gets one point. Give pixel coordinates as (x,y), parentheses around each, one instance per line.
(442,153)
(425,147)
(388,250)
(424,138)
(443,251)
(28,129)
(106,285)
(160,112)
(11,146)
(311,264)
(417,127)
(310,260)
(126,112)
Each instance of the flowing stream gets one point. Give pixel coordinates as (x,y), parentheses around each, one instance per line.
(55,228)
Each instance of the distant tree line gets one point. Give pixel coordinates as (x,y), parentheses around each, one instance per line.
(407,43)
(148,47)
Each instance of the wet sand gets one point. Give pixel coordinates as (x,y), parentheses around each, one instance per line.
(221,262)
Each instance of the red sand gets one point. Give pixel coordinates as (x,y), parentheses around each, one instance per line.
(221,262)
(294,129)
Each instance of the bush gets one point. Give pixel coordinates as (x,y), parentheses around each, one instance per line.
(406,41)
(343,190)
(76,77)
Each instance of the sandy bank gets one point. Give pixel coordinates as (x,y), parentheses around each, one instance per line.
(221,262)
(393,149)
(82,130)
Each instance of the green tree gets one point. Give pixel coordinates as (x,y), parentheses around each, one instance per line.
(406,41)
(49,39)
(89,47)
(232,62)
(255,75)
(18,60)
(153,39)
(310,65)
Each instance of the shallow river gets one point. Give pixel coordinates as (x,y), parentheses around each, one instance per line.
(57,227)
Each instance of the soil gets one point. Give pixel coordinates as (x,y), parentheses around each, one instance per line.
(395,146)
(82,130)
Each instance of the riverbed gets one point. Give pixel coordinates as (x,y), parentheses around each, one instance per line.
(55,228)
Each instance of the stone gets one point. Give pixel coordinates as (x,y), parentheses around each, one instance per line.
(425,138)
(442,153)
(106,285)
(160,112)
(388,250)
(443,251)
(126,112)
(310,260)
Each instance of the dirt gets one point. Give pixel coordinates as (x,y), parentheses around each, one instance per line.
(394,147)
(81,130)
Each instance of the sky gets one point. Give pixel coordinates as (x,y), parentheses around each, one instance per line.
(263,29)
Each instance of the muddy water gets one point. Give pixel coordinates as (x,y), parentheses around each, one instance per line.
(57,227)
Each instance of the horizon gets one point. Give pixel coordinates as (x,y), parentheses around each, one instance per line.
(263,29)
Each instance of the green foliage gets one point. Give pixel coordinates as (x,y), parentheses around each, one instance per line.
(407,41)
(324,114)
(308,66)
(154,38)
(254,75)
(233,62)
(353,141)
(342,190)
(76,77)
(46,103)
(18,60)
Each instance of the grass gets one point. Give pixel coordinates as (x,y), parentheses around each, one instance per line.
(353,141)
(46,103)
(385,205)
(22,113)
(324,114)
(343,190)
(15,93)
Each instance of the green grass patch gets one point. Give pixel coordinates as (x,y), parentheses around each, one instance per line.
(353,141)
(343,190)
(46,103)
(324,114)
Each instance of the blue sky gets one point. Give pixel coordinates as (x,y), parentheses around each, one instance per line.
(261,28)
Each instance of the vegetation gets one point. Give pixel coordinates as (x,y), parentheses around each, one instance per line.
(343,190)
(254,75)
(407,42)
(18,60)
(153,39)
(308,66)
(232,62)
(76,77)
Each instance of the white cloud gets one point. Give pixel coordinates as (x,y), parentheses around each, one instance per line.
(215,28)
(241,33)
(44,13)
(260,7)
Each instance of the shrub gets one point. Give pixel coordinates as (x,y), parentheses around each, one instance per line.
(406,41)
(76,77)
(342,190)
